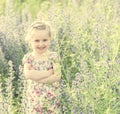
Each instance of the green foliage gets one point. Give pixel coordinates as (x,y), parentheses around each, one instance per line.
(2,6)
(32,6)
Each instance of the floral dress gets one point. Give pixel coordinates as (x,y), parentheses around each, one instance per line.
(42,98)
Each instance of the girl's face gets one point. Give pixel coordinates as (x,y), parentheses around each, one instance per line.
(40,41)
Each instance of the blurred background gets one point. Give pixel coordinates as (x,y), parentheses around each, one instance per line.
(86,34)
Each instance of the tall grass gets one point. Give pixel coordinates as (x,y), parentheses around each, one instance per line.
(87,38)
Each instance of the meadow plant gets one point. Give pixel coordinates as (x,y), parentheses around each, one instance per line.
(1,98)
(9,88)
(91,49)
(3,64)
(7,92)
(22,89)
(87,39)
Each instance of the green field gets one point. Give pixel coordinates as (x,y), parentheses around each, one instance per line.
(86,34)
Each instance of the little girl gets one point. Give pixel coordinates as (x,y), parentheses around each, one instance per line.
(42,69)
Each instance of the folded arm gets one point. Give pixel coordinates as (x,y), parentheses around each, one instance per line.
(34,74)
(53,77)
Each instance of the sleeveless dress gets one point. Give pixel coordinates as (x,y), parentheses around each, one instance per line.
(42,98)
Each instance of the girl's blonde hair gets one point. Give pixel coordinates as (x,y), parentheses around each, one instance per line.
(37,25)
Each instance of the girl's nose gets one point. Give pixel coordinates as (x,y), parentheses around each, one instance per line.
(40,43)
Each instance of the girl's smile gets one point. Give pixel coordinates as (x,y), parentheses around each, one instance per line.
(41,48)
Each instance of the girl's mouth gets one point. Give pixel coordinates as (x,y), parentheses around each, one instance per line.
(40,48)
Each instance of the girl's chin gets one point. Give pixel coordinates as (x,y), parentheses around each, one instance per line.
(41,50)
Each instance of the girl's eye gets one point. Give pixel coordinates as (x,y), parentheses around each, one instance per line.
(36,40)
(44,40)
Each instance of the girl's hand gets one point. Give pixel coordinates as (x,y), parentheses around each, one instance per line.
(51,72)
(31,68)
